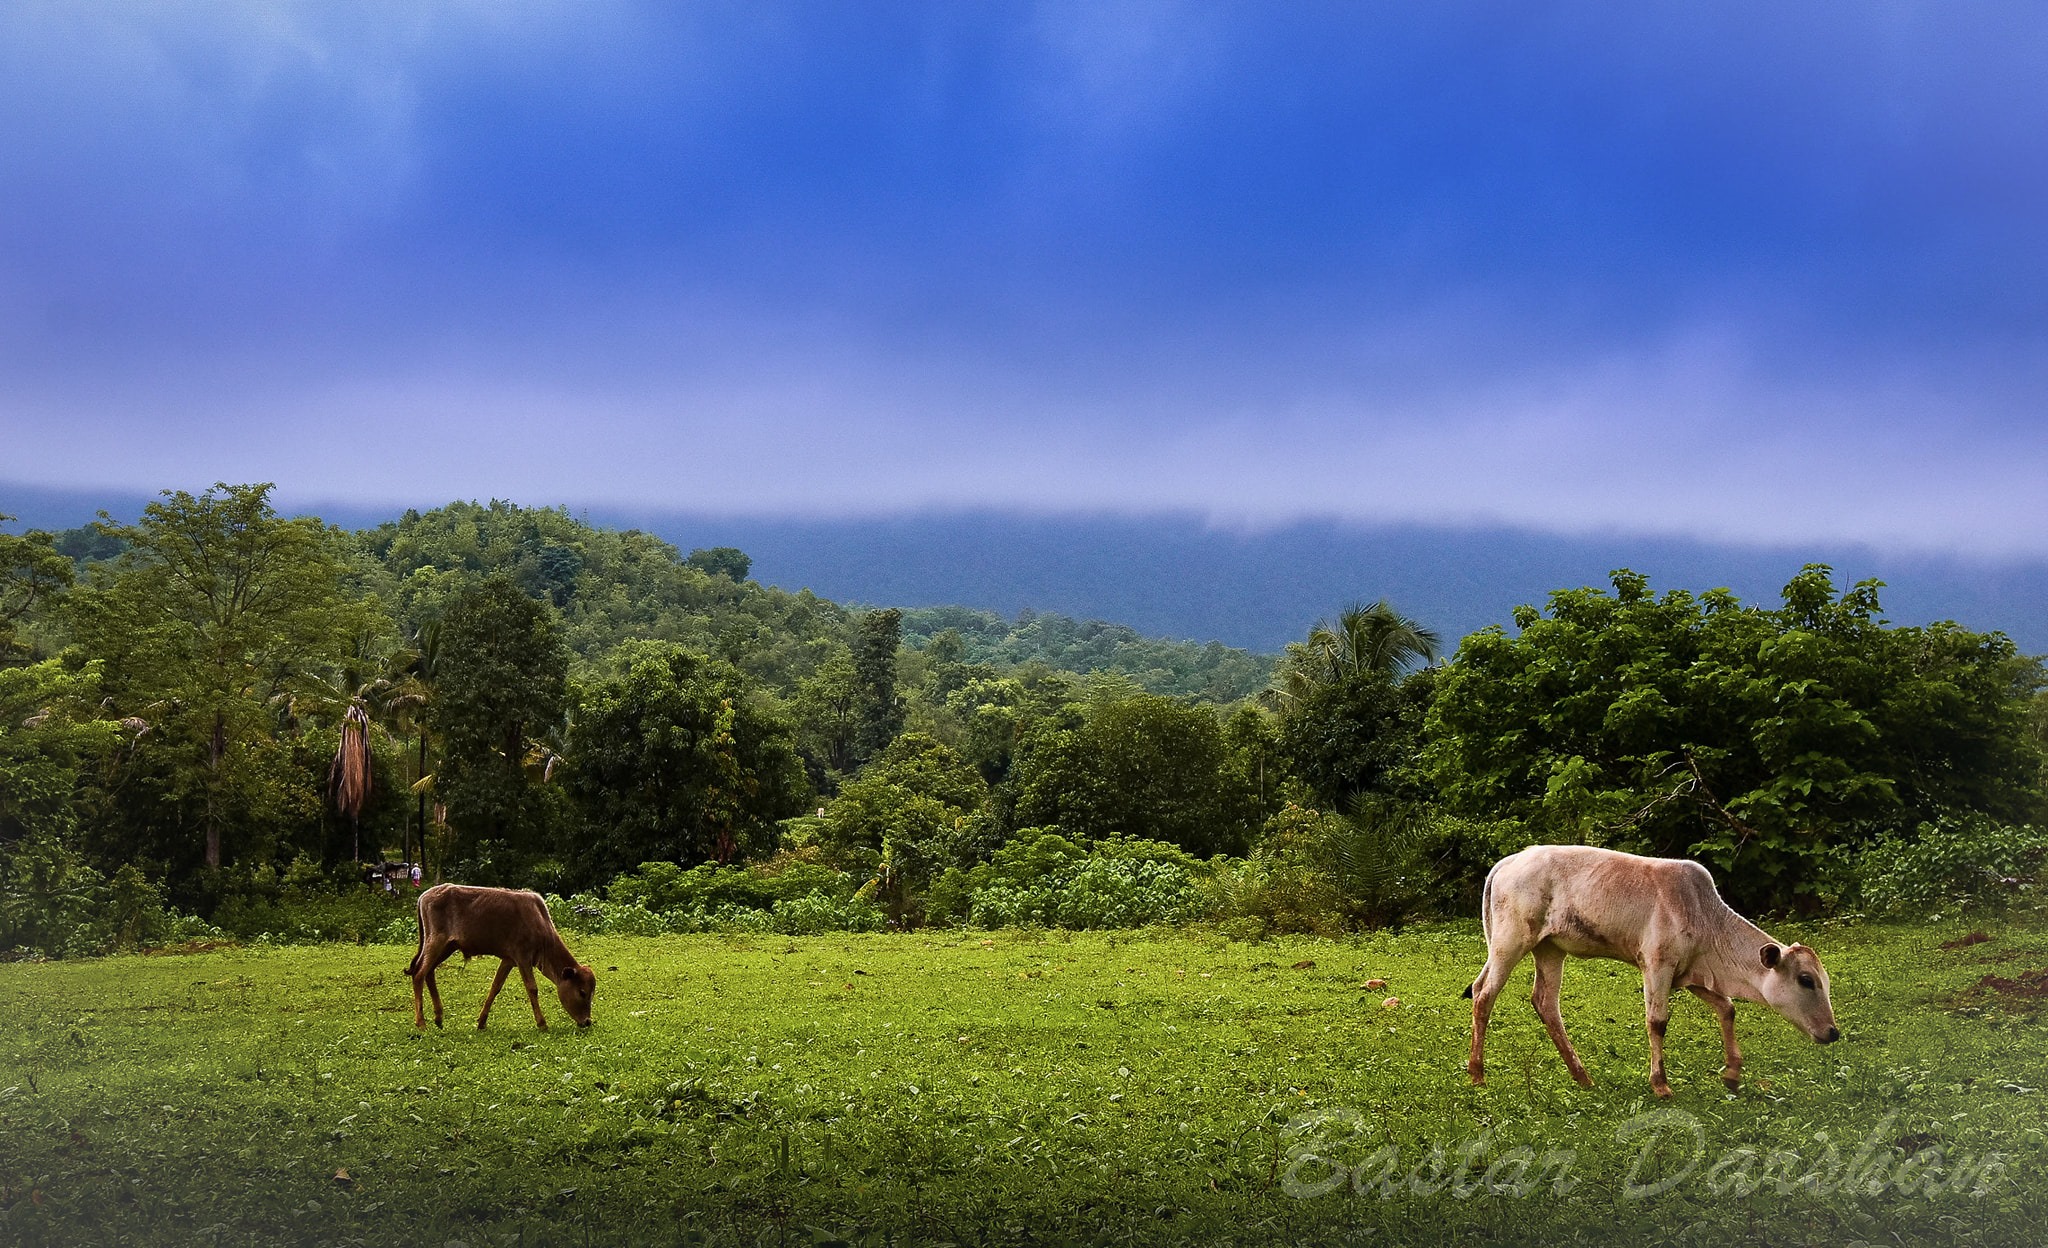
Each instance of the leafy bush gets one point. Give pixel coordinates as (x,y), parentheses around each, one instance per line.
(811,914)
(664,886)
(55,904)
(790,894)
(1314,871)
(1968,860)
(306,904)
(1043,879)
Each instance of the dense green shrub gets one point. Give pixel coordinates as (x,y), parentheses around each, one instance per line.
(789,894)
(810,914)
(1381,864)
(1968,860)
(1043,879)
(53,903)
(665,886)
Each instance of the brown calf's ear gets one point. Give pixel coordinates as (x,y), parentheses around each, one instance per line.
(1771,954)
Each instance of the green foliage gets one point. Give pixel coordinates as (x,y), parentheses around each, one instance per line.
(1758,740)
(501,682)
(1356,736)
(1042,879)
(788,895)
(1382,863)
(729,562)
(1368,643)
(52,742)
(908,816)
(1212,671)
(34,576)
(827,704)
(878,709)
(54,903)
(1143,768)
(678,757)
(664,886)
(609,586)
(216,613)
(1967,861)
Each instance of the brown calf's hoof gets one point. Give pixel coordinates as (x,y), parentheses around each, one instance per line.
(1663,1091)
(1732,1083)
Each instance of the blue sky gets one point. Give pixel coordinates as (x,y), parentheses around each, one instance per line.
(1754,272)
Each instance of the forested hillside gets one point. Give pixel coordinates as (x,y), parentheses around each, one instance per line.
(215,709)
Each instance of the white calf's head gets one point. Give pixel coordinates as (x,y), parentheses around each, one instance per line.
(1795,984)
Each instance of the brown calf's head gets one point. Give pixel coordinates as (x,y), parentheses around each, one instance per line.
(576,986)
(1795,984)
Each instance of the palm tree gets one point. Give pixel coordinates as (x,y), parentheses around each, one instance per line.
(348,778)
(1368,641)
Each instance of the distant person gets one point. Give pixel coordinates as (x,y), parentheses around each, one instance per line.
(415,876)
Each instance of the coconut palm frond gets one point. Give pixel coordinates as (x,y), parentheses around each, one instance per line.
(349,777)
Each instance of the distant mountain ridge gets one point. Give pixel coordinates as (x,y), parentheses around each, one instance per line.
(1176,576)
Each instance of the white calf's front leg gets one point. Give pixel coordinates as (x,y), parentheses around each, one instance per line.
(1657,1016)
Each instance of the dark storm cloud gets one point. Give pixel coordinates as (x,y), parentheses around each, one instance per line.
(1739,270)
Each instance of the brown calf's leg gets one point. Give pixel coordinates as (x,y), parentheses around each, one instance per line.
(422,973)
(1724,1009)
(497,982)
(1657,1015)
(1549,975)
(533,997)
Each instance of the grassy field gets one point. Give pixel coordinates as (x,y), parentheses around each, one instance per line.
(1017,1088)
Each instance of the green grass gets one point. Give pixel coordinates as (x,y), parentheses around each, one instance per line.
(1021,1088)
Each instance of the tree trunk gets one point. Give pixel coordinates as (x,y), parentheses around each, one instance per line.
(422,795)
(218,748)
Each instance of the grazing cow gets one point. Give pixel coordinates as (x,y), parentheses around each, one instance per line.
(1661,915)
(511,925)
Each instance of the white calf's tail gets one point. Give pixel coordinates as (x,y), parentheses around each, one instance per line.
(1485,912)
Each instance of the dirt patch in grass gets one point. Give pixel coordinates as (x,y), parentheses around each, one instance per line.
(1964,942)
(2023,993)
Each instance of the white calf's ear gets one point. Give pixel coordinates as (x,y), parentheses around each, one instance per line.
(1771,954)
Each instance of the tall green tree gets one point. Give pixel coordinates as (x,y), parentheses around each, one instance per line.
(216,607)
(909,815)
(33,576)
(828,704)
(1760,740)
(501,682)
(1352,703)
(878,708)
(1145,767)
(677,757)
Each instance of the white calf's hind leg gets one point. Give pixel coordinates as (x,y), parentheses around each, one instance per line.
(1501,960)
(1549,976)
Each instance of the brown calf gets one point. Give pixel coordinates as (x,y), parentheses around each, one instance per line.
(1662,915)
(511,925)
